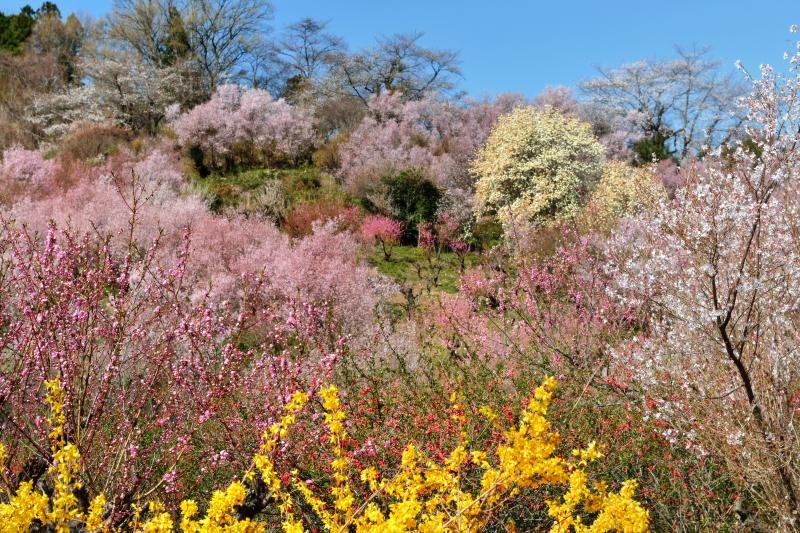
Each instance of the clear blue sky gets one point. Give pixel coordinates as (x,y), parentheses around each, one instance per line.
(522,46)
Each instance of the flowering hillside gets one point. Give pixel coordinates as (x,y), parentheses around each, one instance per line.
(253,284)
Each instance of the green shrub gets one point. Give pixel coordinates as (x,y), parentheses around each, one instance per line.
(413,200)
(652,148)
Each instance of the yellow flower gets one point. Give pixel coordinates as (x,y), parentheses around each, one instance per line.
(478,457)
(589,454)
(94,521)
(424,496)
(160,523)
(409,456)
(330,398)
(22,509)
(490,415)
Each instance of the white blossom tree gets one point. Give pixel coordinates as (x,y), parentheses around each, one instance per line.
(536,166)
(719,270)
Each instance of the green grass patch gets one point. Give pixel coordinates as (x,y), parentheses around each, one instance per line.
(409,267)
(308,185)
(227,191)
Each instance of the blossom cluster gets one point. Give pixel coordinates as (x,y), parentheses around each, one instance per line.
(383,230)
(622,191)
(432,136)
(536,166)
(321,268)
(156,390)
(718,269)
(239,125)
(25,165)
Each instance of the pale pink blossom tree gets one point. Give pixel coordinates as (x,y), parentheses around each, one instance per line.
(25,165)
(433,136)
(322,268)
(718,268)
(246,126)
(552,314)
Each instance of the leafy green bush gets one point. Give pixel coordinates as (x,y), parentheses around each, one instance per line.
(413,200)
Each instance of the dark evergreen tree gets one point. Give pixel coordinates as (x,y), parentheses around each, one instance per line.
(15,29)
(176,44)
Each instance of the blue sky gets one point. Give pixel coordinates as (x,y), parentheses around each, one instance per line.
(522,46)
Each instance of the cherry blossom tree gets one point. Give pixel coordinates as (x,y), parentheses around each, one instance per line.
(686,104)
(322,268)
(719,270)
(246,126)
(434,137)
(27,166)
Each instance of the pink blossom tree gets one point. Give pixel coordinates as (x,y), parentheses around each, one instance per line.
(551,313)
(559,97)
(461,248)
(322,268)
(160,395)
(245,126)
(382,230)
(27,166)
(433,136)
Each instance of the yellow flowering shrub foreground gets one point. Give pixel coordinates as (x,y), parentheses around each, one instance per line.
(424,496)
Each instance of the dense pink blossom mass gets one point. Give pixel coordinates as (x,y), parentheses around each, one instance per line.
(432,135)
(383,230)
(325,279)
(26,165)
(248,120)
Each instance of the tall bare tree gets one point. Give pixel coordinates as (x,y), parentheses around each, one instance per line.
(307,49)
(62,40)
(223,33)
(219,37)
(396,63)
(142,26)
(687,103)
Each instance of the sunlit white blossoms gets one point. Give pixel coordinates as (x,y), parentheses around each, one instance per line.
(719,270)
(536,165)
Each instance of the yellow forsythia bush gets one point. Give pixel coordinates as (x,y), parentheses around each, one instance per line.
(423,496)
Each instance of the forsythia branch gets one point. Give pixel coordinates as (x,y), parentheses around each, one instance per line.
(424,496)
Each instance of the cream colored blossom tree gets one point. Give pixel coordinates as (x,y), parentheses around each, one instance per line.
(536,165)
(623,190)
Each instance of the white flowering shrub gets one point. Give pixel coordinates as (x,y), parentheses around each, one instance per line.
(623,190)
(58,114)
(536,164)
